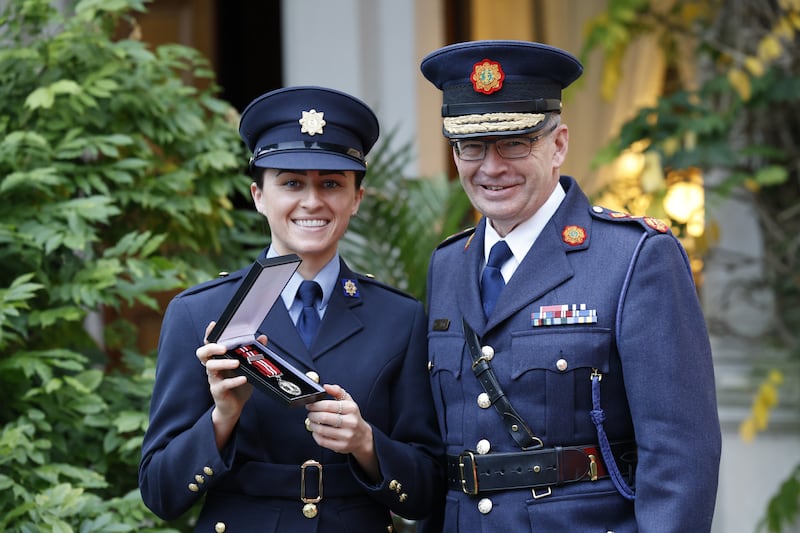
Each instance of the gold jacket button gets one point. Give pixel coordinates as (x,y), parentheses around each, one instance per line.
(308,424)
(395,485)
(313,376)
(193,487)
(219,527)
(200,479)
(310,510)
(483,447)
(561,364)
(487,352)
(208,471)
(403,497)
(483,401)
(485,506)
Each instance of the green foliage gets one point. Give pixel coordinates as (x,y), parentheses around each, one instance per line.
(401,220)
(116,180)
(784,507)
(736,118)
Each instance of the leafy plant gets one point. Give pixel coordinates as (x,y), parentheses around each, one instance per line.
(401,220)
(738,119)
(119,180)
(116,180)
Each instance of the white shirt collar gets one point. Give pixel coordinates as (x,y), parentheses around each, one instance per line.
(325,277)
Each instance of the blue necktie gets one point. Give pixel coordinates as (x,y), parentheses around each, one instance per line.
(492,282)
(308,321)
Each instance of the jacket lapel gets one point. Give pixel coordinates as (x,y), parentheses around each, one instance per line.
(546,266)
(282,334)
(468,285)
(340,322)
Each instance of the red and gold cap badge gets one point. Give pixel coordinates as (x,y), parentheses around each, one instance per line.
(574,235)
(487,76)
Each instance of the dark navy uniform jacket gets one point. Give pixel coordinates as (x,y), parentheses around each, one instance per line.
(649,342)
(372,344)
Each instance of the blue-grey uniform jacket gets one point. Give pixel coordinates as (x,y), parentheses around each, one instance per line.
(649,342)
(371,343)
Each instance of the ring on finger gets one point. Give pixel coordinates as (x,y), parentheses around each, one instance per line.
(339,408)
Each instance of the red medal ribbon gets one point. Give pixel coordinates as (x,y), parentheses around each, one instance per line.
(263,365)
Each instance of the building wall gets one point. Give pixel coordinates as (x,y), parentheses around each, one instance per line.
(368,48)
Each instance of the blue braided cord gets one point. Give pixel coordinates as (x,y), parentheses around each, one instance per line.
(598,417)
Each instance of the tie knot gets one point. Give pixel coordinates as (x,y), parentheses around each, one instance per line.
(309,292)
(499,254)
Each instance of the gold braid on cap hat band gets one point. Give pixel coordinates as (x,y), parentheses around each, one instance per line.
(491,122)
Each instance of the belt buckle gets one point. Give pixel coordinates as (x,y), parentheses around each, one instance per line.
(546,492)
(473,471)
(318,466)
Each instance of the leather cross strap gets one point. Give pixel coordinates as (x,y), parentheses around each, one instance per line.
(473,473)
(513,422)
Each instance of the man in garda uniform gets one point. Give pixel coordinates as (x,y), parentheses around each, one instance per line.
(569,357)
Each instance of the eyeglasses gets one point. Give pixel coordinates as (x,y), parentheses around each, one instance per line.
(507,147)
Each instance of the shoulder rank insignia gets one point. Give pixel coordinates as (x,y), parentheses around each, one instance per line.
(656,224)
(649,222)
(350,287)
(456,236)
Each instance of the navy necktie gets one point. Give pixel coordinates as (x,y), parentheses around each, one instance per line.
(492,282)
(308,321)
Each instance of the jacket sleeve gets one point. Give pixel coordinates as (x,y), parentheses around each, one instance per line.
(669,380)
(409,455)
(180,460)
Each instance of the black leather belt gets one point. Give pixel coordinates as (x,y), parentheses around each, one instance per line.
(473,473)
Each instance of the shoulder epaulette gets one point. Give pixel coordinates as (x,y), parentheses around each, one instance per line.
(456,236)
(651,224)
(369,278)
(223,277)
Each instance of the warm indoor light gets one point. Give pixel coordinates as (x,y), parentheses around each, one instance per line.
(684,202)
(629,164)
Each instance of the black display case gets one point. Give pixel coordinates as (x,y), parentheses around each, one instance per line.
(237,329)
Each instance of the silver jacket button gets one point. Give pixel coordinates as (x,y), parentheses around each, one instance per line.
(485,506)
(483,401)
(483,447)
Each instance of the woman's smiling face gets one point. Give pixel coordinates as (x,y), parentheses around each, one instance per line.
(307,211)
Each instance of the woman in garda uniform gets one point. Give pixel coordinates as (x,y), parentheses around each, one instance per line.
(375,438)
